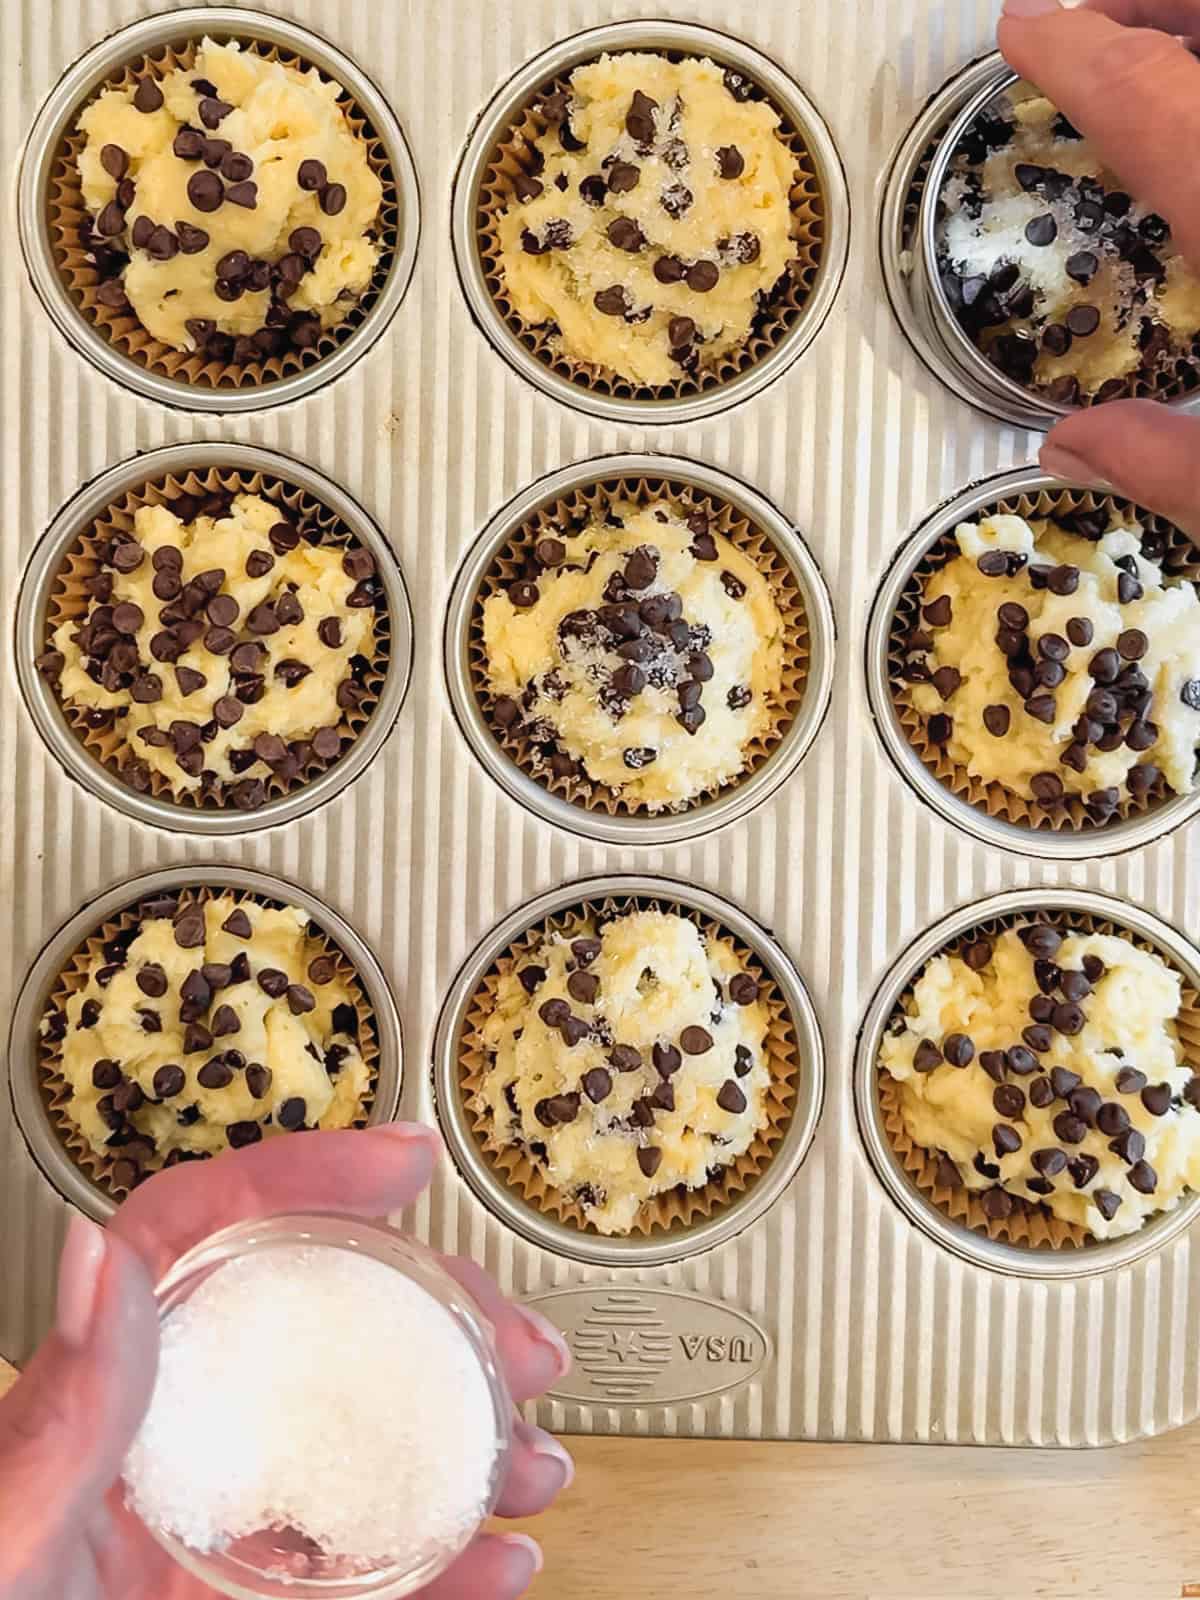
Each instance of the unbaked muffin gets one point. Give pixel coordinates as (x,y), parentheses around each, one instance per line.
(233,209)
(1066,283)
(644,650)
(1045,1068)
(658,224)
(224,645)
(627,1058)
(1060,659)
(201,1023)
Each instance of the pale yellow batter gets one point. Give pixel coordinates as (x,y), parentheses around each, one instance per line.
(1147,647)
(229,207)
(1129,1084)
(627,1060)
(300,647)
(660,710)
(1104,255)
(649,249)
(146,1081)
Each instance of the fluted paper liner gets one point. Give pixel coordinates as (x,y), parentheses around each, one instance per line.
(676,1209)
(1181,559)
(1031,1225)
(574,509)
(69,602)
(56,1091)
(1165,384)
(67,213)
(514,154)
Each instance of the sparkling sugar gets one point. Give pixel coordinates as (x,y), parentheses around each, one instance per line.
(317,1390)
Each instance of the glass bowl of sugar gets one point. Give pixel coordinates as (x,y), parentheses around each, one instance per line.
(328,1419)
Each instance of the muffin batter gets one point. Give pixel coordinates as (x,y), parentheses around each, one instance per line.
(1057,658)
(627,1059)
(1052,268)
(647,649)
(1049,1067)
(658,223)
(241,199)
(209,1026)
(225,643)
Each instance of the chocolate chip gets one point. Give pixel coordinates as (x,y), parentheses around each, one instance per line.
(242,194)
(1006,1141)
(1041,230)
(1056,339)
(584,987)
(702,276)
(205,191)
(332,199)
(235,168)
(623,176)
(977,954)
(327,744)
(1083,320)
(597,1084)
(730,161)
(1143,1177)
(743,988)
(272,982)
(939,728)
(667,1059)
(996,719)
(649,1158)
(224,1021)
(559,1109)
(106,1074)
(1156,1097)
(731,1098)
(1069,1128)
(997,1204)
(669,269)
(695,1041)
(1009,1101)
(958,1049)
(147,96)
(1047,787)
(926,1056)
(947,680)
(1112,1119)
(1132,644)
(1049,1162)
(189,927)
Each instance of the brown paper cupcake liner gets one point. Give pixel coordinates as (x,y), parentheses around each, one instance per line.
(1032,1226)
(1181,558)
(67,215)
(573,510)
(56,1091)
(69,601)
(675,1209)
(1171,383)
(514,155)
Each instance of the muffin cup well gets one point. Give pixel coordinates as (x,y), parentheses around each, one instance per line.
(991,811)
(40,1093)
(52,212)
(52,593)
(501,148)
(677,1223)
(570,497)
(1031,1242)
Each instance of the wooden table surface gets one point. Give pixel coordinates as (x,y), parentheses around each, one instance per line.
(871,1522)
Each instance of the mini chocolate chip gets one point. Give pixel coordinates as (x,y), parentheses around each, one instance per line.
(258,1080)
(695,1041)
(205,191)
(597,1084)
(939,728)
(649,1158)
(926,1056)
(584,987)
(243,194)
(958,1049)
(667,1059)
(1083,320)
(1156,1097)
(224,1021)
(1143,1177)
(272,982)
(291,1113)
(1046,787)
(997,1204)
(1042,230)
(1009,1100)
(702,276)
(731,1098)
(997,719)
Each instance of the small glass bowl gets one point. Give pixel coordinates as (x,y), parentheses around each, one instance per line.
(240,1575)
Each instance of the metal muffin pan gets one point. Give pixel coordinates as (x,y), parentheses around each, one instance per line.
(1046,1265)
(908,252)
(41,1137)
(744,794)
(56,118)
(832,1314)
(690,39)
(1066,844)
(46,708)
(596,1249)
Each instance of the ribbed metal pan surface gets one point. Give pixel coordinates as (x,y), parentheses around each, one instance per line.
(832,1315)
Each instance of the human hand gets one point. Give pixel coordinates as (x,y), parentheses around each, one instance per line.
(1124,75)
(65,1427)
(1125,78)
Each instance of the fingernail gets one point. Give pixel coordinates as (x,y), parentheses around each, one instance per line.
(1060,463)
(547,1447)
(79,1274)
(1030,8)
(528,1546)
(408,1133)
(545,1333)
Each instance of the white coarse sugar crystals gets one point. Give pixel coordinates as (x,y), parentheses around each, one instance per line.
(318,1391)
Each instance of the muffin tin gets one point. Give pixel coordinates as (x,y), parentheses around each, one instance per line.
(828,1310)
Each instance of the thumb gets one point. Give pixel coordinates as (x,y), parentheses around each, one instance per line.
(1143,449)
(66,1425)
